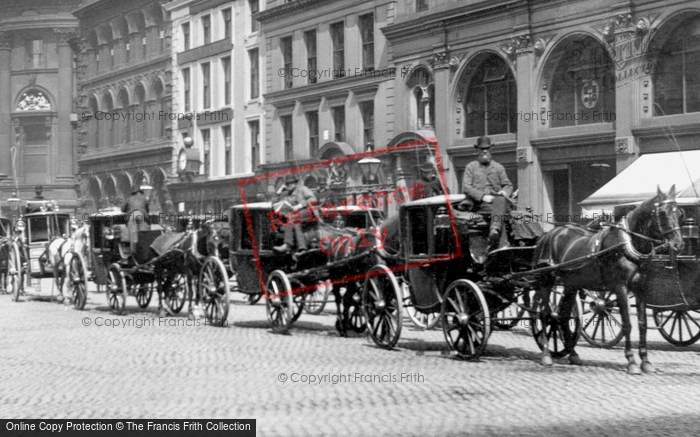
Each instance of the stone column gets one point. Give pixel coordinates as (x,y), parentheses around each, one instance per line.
(443,113)
(63,143)
(6,134)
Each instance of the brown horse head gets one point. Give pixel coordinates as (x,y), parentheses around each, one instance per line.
(659,219)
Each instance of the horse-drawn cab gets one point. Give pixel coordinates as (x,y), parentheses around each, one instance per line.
(41,228)
(352,216)
(10,258)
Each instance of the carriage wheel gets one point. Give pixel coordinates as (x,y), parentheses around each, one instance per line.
(601,327)
(355,314)
(176,292)
(509,317)
(144,293)
(555,326)
(279,301)
(316,301)
(466,321)
(14,269)
(299,299)
(680,328)
(382,306)
(116,289)
(420,319)
(78,281)
(213,289)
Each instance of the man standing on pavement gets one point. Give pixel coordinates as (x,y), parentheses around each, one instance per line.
(298,198)
(487,186)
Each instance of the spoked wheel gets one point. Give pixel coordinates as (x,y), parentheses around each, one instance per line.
(213,290)
(14,269)
(601,327)
(358,323)
(78,281)
(279,301)
(315,302)
(507,318)
(299,299)
(680,328)
(382,306)
(466,321)
(176,292)
(556,327)
(144,293)
(116,289)
(420,319)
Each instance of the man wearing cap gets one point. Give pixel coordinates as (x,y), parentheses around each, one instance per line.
(34,205)
(299,197)
(487,186)
(430,181)
(136,206)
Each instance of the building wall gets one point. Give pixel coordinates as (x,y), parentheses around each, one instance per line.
(37,86)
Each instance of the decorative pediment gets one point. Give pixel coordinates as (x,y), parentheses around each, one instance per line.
(33,101)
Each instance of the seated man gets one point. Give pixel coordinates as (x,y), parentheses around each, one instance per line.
(299,197)
(430,181)
(487,186)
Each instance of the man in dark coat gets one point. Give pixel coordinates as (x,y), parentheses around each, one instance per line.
(430,181)
(297,199)
(136,206)
(487,186)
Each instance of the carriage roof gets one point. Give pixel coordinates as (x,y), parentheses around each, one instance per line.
(254,205)
(435,200)
(46,214)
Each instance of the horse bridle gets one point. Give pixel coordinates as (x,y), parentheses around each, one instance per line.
(657,215)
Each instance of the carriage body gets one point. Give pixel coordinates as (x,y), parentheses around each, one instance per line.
(41,229)
(673,283)
(11,259)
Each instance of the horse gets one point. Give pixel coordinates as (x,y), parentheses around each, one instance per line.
(57,253)
(613,265)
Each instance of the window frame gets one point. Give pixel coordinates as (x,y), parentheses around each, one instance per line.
(311,55)
(366,23)
(337,31)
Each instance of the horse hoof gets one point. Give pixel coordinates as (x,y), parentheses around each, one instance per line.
(648,368)
(59,298)
(547,361)
(575,360)
(633,369)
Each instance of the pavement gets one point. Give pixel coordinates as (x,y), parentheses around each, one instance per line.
(56,362)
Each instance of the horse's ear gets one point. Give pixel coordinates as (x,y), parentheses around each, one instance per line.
(658,191)
(672,192)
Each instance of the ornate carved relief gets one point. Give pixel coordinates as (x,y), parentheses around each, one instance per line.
(33,101)
(64,34)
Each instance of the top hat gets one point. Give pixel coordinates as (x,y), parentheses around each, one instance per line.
(427,167)
(137,190)
(291,178)
(483,143)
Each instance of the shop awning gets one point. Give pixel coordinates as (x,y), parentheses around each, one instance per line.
(638,182)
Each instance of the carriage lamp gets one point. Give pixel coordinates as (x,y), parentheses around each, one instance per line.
(369,167)
(691,236)
(14,201)
(441,219)
(20,226)
(108,233)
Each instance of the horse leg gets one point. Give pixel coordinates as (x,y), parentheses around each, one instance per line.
(542,297)
(567,305)
(621,293)
(339,325)
(647,367)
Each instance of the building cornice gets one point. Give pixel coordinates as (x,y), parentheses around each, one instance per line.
(603,136)
(663,131)
(328,87)
(162,62)
(287,8)
(440,19)
(110,153)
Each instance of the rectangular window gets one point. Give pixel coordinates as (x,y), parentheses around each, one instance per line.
(254,8)
(339,123)
(254,73)
(312,122)
(186,88)
(338,39)
(421,5)
(310,38)
(367,32)
(226,65)
(186,36)
(227,147)
(288,137)
(206,142)
(226,14)
(128,52)
(367,110)
(206,29)
(206,86)
(254,128)
(286,47)
(35,52)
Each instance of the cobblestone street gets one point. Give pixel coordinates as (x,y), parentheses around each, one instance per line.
(55,367)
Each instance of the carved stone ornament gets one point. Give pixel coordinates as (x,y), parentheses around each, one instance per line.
(5,40)
(33,101)
(521,41)
(439,60)
(622,145)
(64,34)
(539,46)
(521,155)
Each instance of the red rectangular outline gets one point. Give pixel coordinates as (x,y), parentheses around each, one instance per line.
(432,143)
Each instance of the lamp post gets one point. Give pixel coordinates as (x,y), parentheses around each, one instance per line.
(14,203)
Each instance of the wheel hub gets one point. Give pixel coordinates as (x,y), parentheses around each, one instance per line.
(598,305)
(462,319)
(380,305)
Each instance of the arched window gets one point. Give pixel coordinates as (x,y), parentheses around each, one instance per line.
(93,52)
(94,125)
(126,129)
(140,128)
(583,85)
(160,122)
(108,106)
(422,104)
(677,80)
(491,100)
